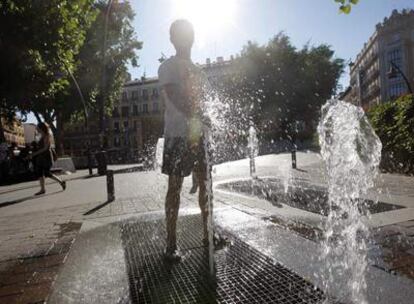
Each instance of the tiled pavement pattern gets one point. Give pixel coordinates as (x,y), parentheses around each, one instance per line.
(33,246)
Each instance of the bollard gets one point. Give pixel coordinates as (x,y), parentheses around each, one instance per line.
(90,162)
(110,187)
(252,163)
(294,158)
(101,160)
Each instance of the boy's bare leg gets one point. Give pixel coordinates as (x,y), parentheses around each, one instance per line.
(195,183)
(172,205)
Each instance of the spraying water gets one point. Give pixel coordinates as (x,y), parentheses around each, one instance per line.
(253,148)
(351,151)
(221,129)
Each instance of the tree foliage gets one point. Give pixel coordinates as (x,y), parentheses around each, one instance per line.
(121,47)
(394,124)
(39,41)
(346,5)
(283,87)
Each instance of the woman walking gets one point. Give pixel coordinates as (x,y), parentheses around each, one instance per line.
(43,158)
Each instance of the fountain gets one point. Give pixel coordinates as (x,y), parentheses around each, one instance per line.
(158,154)
(351,152)
(253,149)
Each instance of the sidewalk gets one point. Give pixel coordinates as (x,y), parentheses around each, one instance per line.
(39,232)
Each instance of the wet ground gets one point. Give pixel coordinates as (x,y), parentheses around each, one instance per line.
(301,195)
(95,267)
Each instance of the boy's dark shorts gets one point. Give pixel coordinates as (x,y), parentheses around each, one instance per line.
(179,159)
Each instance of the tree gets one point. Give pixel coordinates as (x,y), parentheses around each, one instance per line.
(283,88)
(394,124)
(121,47)
(38,42)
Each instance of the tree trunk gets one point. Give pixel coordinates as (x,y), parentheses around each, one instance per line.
(50,119)
(39,120)
(2,137)
(60,131)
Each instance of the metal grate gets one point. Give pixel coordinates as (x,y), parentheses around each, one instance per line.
(244,275)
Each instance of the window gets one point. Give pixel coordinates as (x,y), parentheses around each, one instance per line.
(135,95)
(396,90)
(125,125)
(125,111)
(135,125)
(155,93)
(155,107)
(116,126)
(395,56)
(145,108)
(124,96)
(139,108)
(145,94)
(135,110)
(115,112)
(116,142)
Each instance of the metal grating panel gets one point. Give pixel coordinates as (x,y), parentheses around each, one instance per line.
(244,275)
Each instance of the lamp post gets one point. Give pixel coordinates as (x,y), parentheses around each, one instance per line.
(85,110)
(393,73)
(103,81)
(101,155)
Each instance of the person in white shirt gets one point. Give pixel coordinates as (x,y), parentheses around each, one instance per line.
(181,83)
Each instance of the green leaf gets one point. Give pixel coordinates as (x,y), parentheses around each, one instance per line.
(346,9)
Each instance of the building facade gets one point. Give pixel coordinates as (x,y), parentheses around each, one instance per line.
(391,44)
(135,122)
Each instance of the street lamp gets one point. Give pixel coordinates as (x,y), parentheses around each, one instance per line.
(393,73)
(101,155)
(85,109)
(103,83)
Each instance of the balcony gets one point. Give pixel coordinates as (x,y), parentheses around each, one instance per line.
(369,93)
(369,77)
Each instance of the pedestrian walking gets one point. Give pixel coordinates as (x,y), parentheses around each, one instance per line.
(44,158)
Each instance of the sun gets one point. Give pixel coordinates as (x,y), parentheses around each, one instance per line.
(211,18)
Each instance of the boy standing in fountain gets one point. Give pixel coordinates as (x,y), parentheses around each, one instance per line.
(181,83)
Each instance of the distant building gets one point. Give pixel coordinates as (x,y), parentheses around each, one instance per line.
(392,42)
(137,120)
(215,71)
(13,132)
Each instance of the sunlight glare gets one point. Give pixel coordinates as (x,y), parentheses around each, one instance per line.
(209,17)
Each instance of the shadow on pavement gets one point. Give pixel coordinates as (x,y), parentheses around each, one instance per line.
(23,199)
(93,210)
(301,170)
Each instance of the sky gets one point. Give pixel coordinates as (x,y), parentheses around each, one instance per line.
(224,26)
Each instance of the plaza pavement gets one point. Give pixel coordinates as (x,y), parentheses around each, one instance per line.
(36,233)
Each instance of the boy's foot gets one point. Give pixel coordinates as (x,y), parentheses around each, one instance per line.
(63,184)
(193,189)
(219,241)
(40,192)
(172,256)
